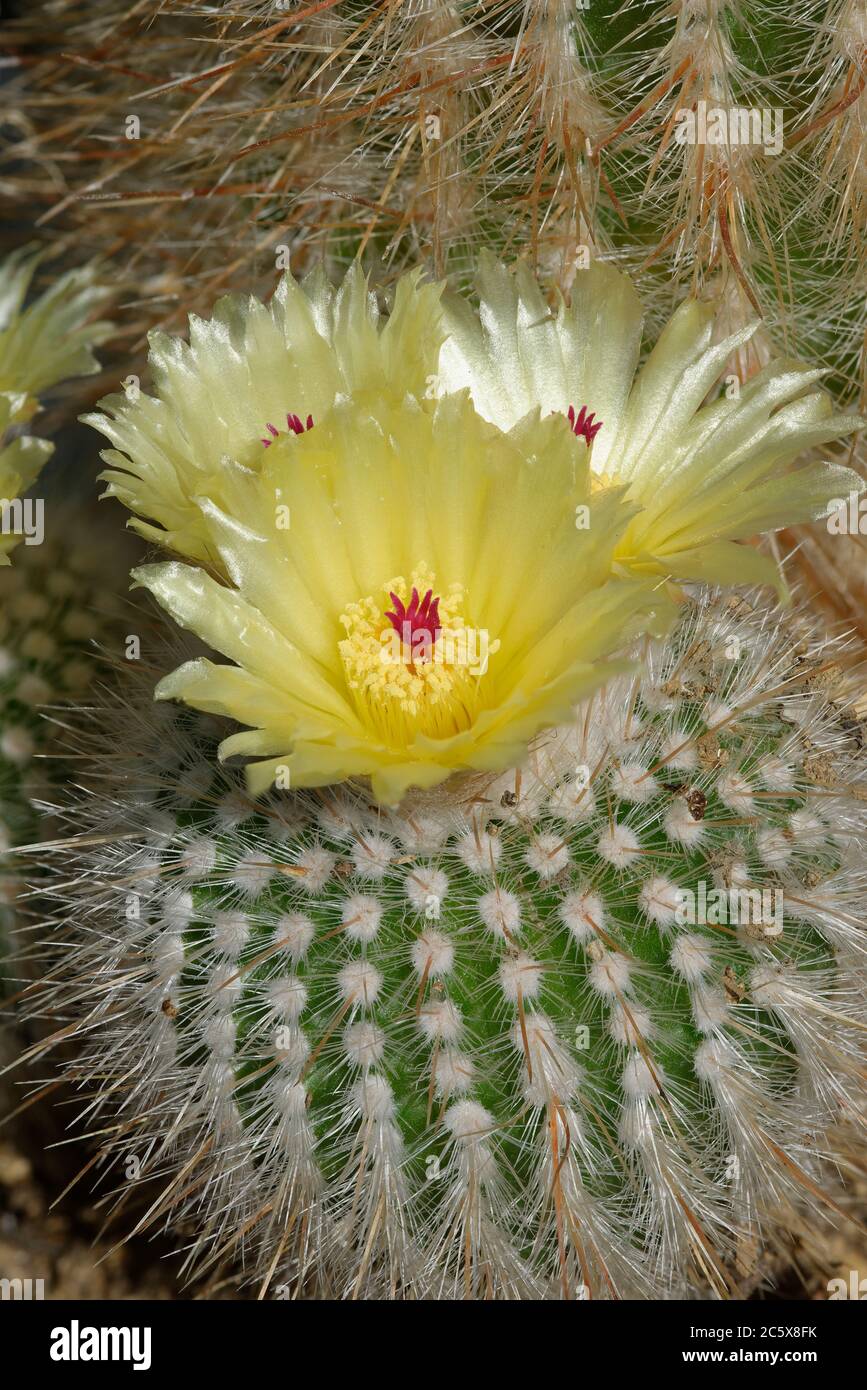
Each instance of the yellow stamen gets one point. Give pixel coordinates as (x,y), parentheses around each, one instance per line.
(399,696)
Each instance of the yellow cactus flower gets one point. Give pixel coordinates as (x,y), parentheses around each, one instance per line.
(39,346)
(51,339)
(705,475)
(20,462)
(248,374)
(406,585)
(404,592)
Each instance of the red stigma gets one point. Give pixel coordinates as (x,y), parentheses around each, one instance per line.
(293,423)
(418,624)
(582,423)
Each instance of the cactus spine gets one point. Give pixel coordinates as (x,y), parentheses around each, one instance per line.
(574,1032)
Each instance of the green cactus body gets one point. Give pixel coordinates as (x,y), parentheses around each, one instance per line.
(47,617)
(475,1046)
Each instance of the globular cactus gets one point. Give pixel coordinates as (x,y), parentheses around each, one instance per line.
(43,340)
(52,604)
(577,1030)
(54,600)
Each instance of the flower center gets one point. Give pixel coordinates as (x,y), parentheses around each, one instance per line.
(417,667)
(417,624)
(582,423)
(293,424)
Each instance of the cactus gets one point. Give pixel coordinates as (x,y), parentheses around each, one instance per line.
(575,1030)
(52,604)
(463,1046)
(42,605)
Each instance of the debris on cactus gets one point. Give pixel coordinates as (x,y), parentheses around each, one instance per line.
(577,1030)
